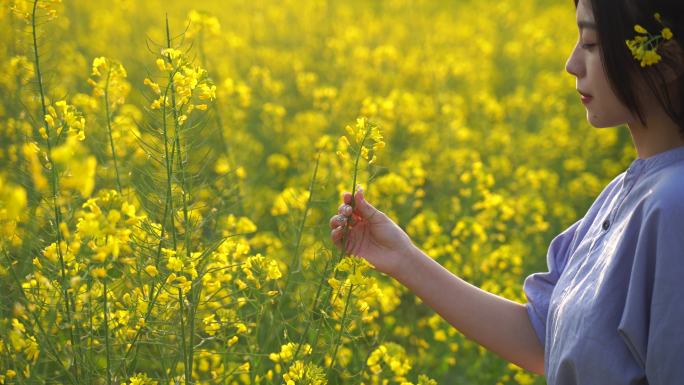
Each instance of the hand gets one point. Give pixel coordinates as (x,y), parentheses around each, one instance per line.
(371,234)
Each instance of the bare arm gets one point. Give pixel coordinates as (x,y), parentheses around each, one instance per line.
(500,325)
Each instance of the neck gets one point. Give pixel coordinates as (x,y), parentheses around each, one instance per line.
(649,142)
(660,134)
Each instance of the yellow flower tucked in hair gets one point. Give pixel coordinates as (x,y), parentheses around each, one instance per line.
(644,46)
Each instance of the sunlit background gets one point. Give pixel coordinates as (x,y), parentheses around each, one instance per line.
(168,168)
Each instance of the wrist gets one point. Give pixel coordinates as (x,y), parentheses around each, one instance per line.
(407,260)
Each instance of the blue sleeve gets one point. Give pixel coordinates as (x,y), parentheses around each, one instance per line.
(539,286)
(652,323)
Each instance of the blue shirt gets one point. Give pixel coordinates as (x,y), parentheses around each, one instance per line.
(610,310)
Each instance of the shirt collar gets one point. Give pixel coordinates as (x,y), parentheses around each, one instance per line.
(657,161)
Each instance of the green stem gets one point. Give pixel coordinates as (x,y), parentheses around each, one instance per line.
(344,318)
(181,167)
(188,378)
(109,127)
(345,235)
(55,187)
(344,248)
(313,313)
(106,331)
(296,258)
(168,212)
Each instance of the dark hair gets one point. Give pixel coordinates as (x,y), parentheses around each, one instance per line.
(615,21)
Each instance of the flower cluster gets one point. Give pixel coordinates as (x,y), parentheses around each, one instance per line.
(13,201)
(362,139)
(389,356)
(18,72)
(103,231)
(108,78)
(190,85)
(141,379)
(23,9)
(201,23)
(644,46)
(287,351)
(367,297)
(290,199)
(258,269)
(301,373)
(61,117)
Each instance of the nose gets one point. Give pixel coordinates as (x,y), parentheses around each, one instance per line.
(574,65)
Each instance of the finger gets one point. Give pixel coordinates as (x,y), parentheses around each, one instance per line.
(345,210)
(362,207)
(336,235)
(346,197)
(337,220)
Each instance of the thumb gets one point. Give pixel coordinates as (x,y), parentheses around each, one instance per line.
(365,209)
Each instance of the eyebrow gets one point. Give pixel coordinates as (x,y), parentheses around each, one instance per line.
(586,24)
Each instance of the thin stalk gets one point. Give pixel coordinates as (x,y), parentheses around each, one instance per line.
(168,209)
(296,258)
(109,127)
(344,249)
(313,313)
(174,108)
(300,230)
(344,318)
(257,364)
(139,332)
(106,331)
(168,212)
(188,378)
(91,331)
(55,186)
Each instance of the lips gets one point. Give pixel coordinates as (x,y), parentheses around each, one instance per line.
(586,98)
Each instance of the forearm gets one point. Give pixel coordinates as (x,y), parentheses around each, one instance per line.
(500,325)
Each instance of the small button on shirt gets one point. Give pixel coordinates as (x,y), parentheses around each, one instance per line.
(610,308)
(606,224)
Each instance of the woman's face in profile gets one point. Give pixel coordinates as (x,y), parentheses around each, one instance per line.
(604,109)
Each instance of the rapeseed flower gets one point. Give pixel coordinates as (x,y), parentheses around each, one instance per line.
(363,139)
(300,373)
(644,46)
(109,77)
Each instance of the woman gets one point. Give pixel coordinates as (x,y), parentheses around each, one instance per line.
(609,309)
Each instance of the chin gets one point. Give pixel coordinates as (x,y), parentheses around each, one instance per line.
(598,121)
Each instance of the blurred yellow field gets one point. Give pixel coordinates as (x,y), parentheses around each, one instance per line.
(168,168)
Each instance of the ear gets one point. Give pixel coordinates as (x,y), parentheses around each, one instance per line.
(673,61)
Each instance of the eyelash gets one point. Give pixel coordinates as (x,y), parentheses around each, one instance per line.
(587,46)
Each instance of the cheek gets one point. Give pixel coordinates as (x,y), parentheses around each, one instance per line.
(597,75)
(606,109)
